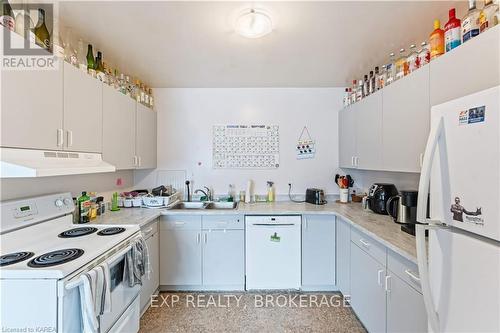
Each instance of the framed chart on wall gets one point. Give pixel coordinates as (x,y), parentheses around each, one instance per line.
(245,146)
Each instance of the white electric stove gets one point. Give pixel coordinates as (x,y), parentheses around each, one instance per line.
(43,254)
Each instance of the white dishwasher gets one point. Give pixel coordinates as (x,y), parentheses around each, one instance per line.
(273,252)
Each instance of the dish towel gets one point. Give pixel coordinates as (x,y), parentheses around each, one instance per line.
(137,263)
(95,297)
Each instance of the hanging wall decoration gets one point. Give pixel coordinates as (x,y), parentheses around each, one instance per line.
(306,147)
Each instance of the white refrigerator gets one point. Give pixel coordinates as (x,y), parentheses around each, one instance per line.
(460,264)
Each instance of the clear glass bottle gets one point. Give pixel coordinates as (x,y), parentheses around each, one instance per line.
(487,16)
(381,77)
(359,90)
(366,86)
(128,86)
(146,95)
(42,35)
(470,22)
(123,84)
(151,104)
(7,16)
(424,55)
(371,82)
(412,59)
(390,69)
(80,56)
(346,97)
(400,64)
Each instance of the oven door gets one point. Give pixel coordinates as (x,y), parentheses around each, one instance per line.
(122,297)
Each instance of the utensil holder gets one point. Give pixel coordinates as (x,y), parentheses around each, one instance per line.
(344,195)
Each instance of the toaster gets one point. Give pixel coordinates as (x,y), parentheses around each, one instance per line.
(315,196)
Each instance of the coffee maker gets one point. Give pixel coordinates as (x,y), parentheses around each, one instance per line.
(403,209)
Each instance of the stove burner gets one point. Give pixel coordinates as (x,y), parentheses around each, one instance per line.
(55,258)
(111,231)
(77,232)
(13,258)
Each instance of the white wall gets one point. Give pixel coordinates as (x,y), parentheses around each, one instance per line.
(186,117)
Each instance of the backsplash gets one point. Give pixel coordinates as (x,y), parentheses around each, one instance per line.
(102,183)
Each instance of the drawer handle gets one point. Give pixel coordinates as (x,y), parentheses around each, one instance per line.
(387,282)
(364,243)
(412,275)
(222,222)
(148,231)
(379,277)
(198,238)
(180,223)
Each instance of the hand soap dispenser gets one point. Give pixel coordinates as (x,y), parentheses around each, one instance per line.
(270,191)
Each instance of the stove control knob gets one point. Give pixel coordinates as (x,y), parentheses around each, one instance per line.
(59,203)
(68,201)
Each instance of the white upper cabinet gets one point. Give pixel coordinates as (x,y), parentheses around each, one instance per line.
(82,111)
(118,142)
(32,108)
(406,121)
(471,67)
(347,136)
(145,145)
(369,132)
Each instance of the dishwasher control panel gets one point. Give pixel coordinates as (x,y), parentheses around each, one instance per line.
(274,219)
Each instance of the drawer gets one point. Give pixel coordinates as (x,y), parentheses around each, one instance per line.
(234,222)
(369,245)
(180,222)
(149,229)
(405,269)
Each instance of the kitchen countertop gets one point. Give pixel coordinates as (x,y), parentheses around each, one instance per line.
(380,227)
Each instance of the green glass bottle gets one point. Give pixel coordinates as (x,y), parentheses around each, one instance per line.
(42,36)
(90,58)
(99,66)
(84,207)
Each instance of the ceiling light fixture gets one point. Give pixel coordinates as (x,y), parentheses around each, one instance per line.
(253,23)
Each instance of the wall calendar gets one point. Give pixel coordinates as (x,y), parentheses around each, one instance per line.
(246,146)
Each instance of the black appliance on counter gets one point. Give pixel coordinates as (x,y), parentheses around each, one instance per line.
(378,195)
(315,196)
(403,209)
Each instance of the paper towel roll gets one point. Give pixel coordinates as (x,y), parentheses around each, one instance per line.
(248,193)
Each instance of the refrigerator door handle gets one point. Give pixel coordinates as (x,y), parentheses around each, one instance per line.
(423,269)
(425,174)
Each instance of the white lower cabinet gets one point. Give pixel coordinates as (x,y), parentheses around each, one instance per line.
(192,257)
(343,253)
(367,290)
(224,258)
(149,286)
(318,252)
(405,307)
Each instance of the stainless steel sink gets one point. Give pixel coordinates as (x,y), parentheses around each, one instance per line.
(191,205)
(222,205)
(205,205)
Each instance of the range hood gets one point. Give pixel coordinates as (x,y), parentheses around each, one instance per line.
(16,163)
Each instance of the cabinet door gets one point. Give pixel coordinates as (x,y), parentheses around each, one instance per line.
(180,252)
(367,290)
(343,243)
(472,67)
(406,118)
(347,136)
(318,250)
(82,111)
(405,307)
(145,137)
(369,132)
(118,141)
(224,257)
(32,108)
(150,286)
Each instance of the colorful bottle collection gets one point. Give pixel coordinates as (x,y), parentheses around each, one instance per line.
(73,52)
(455,33)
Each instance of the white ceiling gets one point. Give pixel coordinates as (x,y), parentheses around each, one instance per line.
(192,44)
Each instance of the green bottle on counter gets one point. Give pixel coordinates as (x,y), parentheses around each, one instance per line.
(84,207)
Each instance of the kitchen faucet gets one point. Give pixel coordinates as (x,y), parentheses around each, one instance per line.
(206,192)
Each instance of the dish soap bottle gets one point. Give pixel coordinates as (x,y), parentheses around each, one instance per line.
(470,23)
(84,207)
(436,40)
(270,191)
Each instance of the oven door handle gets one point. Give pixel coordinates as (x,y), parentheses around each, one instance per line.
(110,261)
